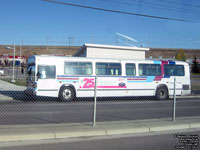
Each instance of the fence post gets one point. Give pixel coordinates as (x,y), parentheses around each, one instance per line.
(95,102)
(174,106)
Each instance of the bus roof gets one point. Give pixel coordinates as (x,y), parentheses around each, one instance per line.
(34,57)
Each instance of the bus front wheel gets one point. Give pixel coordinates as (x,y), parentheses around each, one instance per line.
(162,93)
(67,94)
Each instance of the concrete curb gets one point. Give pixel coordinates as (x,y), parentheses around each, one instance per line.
(3,97)
(189,96)
(21,133)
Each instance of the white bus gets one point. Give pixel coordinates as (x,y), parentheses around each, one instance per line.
(71,77)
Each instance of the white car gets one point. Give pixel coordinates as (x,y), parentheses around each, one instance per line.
(1,72)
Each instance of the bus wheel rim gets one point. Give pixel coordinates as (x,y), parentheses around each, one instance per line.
(67,94)
(161,93)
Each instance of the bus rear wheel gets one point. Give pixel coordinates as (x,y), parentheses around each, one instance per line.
(67,94)
(162,93)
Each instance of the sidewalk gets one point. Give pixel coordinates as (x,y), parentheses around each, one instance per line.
(42,132)
(9,87)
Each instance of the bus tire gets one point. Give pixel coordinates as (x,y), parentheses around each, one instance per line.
(162,93)
(67,94)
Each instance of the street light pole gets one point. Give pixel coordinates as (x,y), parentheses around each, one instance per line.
(13,76)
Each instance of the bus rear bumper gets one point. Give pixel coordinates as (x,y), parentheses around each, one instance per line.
(186,92)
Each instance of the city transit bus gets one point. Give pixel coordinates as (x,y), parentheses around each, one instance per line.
(71,77)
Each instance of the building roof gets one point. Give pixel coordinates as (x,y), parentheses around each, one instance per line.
(114,47)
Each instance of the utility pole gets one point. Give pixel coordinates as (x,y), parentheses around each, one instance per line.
(70,41)
(20,53)
(117,42)
(47,38)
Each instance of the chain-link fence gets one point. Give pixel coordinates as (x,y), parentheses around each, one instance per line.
(16,108)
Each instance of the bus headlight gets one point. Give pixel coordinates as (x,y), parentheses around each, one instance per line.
(35,85)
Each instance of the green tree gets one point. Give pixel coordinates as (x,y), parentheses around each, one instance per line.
(195,68)
(181,55)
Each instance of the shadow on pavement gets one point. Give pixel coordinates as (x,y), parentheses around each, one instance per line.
(21,96)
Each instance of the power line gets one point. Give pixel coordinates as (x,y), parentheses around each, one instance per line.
(153,5)
(183,4)
(166,6)
(117,11)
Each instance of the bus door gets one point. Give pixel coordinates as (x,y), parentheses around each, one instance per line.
(46,76)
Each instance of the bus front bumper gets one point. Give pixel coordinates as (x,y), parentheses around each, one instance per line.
(30,92)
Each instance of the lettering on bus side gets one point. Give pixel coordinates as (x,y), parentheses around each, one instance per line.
(104,82)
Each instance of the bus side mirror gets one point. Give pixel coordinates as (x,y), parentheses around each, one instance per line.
(38,75)
(29,72)
(41,75)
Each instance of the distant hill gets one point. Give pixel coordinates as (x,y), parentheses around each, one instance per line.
(28,50)
(170,53)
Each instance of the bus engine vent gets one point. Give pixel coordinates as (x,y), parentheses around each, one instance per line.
(186,87)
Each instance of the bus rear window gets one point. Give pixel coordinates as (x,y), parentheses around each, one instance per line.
(173,70)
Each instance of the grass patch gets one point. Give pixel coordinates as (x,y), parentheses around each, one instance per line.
(195,74)
(19,82)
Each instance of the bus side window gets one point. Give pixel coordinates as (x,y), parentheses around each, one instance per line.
(173,70)
(108,68)
(43,75)
(78,68)
(149,70)
(130,69)
(46,72)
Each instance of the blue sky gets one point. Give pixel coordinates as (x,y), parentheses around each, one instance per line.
(37,23)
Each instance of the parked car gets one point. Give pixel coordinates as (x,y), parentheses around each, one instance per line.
(1,72)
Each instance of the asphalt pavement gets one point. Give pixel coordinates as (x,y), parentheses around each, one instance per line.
(48,111)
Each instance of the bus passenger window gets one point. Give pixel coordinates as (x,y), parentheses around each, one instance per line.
(46,72)
(174,70)
(108,69)
(78,68)
(43,75)
(130,69)
(149,70)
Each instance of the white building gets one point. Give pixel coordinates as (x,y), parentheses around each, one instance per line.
(6,60)
(109,51)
